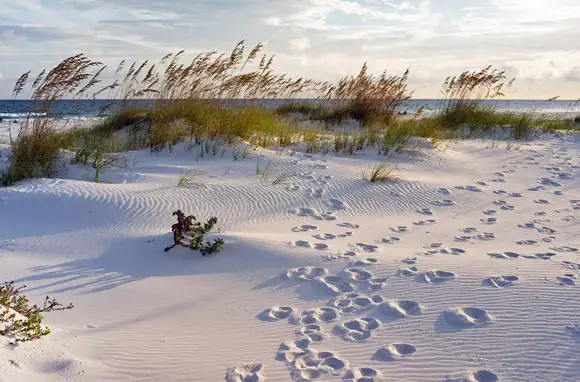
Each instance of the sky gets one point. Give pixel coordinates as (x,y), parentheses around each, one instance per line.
(536,41)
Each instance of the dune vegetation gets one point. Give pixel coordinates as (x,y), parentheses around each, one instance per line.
(215,100)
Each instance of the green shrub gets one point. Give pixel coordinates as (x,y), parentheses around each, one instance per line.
(189,234)
(19,320)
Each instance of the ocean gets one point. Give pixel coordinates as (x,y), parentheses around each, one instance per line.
(16,110)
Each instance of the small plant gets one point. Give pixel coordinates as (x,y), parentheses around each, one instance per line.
(19,320)
(98,165)
(381,172)
(186,230)
(282,178)
(185,179)
(264,172)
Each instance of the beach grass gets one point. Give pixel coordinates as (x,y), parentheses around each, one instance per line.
(216,97)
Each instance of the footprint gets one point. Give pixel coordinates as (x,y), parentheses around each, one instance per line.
(490,212)
(364,262)
(500,281)
(486,236)
(433,245)
(425,211)
(348,225)
(277,313)
(315,316)
(353,280)
(558,193)
(409,260)
(407,272)
(504,255)
(527,225)
(304,228)
(527,242)
(390,240)
(489,221)
(358,329)
(329,216)
(564,249)
(321,246)
(452,251)
(469,188)
(540,213)
(313,332)
(571,265)
(355,303)
(337,284)
(316,193)
(443,191)
(357,274)
(304,211)
(542,201)
(362,374)
(481,376)
(302,244)
(324,236)
(247,373)
(401,308)
(400,229)
(336,204)
(469,230)
(394,352)
(368,247)
(438,277)
(345,234)
(289,352)
(313,364)
(567,279)
(500,203)
(424,222)
(515,195)
(306,273)
(293,187)
(467,316)
(574,329)
(462,239)
(541,256)
(500,192)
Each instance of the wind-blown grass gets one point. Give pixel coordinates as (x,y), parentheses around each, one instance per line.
(380,172)
(215,98)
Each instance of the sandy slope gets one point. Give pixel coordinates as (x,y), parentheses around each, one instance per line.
(396,281)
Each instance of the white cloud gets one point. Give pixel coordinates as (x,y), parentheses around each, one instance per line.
(535,39)
(299,44)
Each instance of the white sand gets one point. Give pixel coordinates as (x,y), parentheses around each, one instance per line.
(464,269)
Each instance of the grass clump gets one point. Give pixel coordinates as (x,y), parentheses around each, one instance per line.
(18,319)
(38,142)
(367,98)
(185,179)
(380,172)
(461,105)
(189,234)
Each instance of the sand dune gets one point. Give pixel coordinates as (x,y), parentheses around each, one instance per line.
(465,268)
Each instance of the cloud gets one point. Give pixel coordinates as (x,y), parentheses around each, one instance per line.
(299,44)
(536,40)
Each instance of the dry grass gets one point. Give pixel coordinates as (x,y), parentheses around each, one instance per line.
(200,101)
(380,172)
(367,98)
